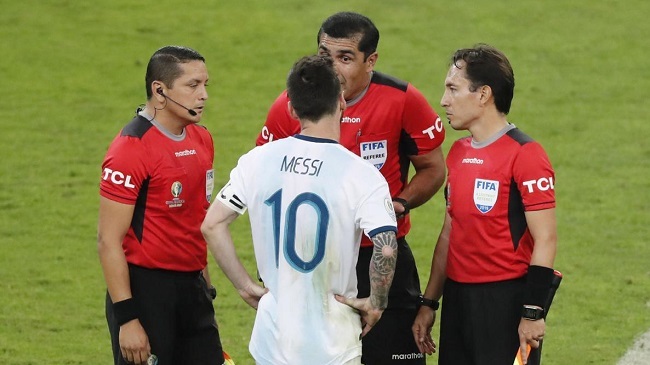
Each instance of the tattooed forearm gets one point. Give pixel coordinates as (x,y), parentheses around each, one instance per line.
(384,254)
(382,267)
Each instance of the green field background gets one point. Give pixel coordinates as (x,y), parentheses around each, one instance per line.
(72,74)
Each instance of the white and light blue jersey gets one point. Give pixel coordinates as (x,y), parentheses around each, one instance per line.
(309,201)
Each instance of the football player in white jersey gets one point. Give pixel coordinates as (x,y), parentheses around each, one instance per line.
(309,201)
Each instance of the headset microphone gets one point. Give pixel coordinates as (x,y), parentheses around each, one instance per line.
(191,111)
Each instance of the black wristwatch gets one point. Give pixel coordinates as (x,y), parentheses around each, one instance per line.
(532,312)
(213,292)
(405,204)
(433,304)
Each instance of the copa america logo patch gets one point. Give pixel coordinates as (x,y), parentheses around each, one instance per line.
(177,188)
(485,194)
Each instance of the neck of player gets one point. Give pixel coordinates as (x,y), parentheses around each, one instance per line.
(328,128)
(167,120)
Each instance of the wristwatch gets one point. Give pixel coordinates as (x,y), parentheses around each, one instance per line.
(433,304)
(532,312)
(213,292)
(405,204)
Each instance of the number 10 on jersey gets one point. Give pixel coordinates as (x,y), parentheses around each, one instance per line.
(288,244)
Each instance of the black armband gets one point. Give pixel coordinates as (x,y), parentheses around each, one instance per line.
(538,284)
(125,311)
(405,204)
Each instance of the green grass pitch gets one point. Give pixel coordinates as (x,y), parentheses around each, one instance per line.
(72,74)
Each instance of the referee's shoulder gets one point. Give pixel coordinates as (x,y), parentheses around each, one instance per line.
(137,127)
(519,136)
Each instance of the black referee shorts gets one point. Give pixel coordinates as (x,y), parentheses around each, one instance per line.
(391,340)
(479,322)
(175,309)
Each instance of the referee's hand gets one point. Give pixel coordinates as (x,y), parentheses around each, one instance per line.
(369,314)
(134,343)
(422,326)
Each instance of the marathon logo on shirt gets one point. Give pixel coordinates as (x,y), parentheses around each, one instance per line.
(185,153)
(374,152)
(475,161)
(350,120)
(485,194)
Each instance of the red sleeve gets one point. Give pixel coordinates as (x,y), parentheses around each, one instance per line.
(279,123)
(535,178)
(421,122)
(123,170)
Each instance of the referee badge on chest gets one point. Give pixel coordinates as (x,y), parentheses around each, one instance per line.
(209,184)
(485,194)
(374,152)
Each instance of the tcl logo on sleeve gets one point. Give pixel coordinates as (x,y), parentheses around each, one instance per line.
(266,134)
(542,184)
(437,126)
(118,178)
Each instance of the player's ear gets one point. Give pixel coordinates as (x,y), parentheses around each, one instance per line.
(371,61)
(291,110)
(157,90)
(485,93)
(342,102)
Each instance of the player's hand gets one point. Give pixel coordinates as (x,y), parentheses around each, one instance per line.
(369,315)
(422,326)
(134,343)
(530,333)
(252,294)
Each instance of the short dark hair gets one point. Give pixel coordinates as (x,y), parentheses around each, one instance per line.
(347,25)
(163,65)
(486,65)
(313,87)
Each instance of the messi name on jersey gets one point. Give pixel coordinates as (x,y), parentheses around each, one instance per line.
(301,165)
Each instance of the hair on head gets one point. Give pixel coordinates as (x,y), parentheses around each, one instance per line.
(486,65)
(313,87)
(163,65)
(348,25)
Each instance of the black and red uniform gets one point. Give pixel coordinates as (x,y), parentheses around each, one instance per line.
(490,185)
(169,180)
(390,121)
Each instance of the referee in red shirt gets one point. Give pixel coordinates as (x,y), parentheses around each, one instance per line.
(156,187)
(493,262)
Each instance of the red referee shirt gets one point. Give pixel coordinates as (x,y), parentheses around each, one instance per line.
(386,124)
(488,189)
(169,179)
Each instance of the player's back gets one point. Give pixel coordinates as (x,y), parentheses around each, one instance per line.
(308,206)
